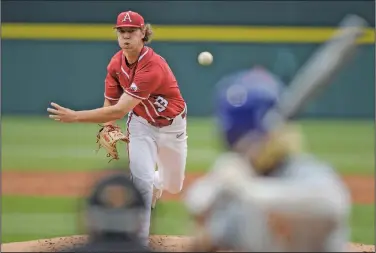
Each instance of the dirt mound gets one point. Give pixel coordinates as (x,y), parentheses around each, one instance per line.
(157,242)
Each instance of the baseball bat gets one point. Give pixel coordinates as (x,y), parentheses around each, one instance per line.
(318,72)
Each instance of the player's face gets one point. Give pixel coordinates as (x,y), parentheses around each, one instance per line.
(130,38)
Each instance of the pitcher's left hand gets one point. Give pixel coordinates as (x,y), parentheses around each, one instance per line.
(62,114)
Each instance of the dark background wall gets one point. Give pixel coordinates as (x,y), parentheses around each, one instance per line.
(277,12)
(35,72)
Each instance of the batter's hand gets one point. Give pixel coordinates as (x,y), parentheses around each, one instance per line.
(62,114)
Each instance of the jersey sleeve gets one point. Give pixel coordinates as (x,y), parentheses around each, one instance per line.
(113,90)
(146,80)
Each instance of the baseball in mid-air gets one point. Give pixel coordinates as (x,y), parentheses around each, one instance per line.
(205,58)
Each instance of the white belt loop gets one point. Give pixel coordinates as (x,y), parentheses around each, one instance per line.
(185,110)
(180,114)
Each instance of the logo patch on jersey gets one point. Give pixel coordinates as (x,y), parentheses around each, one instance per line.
(134,87)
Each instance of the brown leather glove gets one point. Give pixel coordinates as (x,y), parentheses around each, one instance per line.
(107,138)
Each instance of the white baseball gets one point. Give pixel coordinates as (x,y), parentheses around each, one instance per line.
(205,58)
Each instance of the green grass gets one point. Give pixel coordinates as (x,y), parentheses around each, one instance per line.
(363,224)
(171,218)
(30,143)
(29,218)
(348,145)
(42,144)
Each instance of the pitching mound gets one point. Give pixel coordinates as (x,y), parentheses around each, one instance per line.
(157,242)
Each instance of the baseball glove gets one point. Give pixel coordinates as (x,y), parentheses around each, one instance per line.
(107,138)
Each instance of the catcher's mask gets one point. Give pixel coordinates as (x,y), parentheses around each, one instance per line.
(243,99)
(114,206)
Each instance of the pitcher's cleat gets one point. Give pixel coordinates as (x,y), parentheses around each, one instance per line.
(157,194)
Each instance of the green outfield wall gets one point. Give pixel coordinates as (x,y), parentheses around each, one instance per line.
(58,50)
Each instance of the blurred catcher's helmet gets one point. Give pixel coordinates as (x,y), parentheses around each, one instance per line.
(242,101)
(115,205)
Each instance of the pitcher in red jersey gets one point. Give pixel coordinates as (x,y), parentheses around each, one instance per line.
(140,83)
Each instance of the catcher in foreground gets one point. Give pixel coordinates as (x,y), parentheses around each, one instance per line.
(265,194)
(107,138)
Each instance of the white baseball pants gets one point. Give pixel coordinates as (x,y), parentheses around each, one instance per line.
(165,147)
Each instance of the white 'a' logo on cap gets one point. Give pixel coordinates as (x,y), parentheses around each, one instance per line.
(127,16)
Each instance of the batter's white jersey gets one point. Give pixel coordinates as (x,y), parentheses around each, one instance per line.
(301,206)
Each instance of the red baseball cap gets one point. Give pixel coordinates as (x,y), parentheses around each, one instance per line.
(129,19)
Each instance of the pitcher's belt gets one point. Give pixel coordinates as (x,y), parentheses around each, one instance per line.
(164,121)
